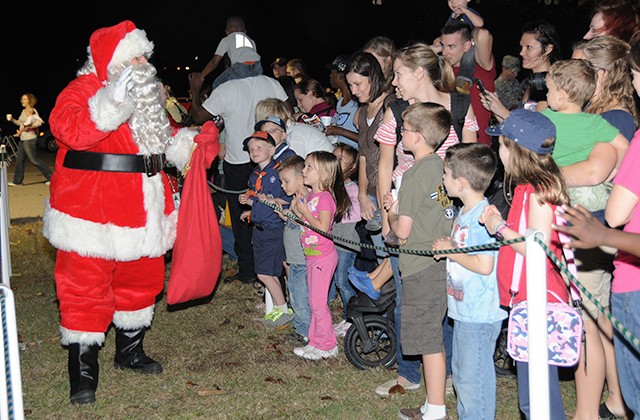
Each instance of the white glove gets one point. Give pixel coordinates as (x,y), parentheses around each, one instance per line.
(122,86)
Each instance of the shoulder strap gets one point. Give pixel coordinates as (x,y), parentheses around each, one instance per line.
(397,107)
(459,107)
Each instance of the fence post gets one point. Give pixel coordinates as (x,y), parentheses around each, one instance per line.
(536,262)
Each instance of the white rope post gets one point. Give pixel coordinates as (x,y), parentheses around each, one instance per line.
(5,249)
(536,261)
(11,406)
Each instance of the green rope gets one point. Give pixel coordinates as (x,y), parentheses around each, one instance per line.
(616,324)
(399,250)
(222,190)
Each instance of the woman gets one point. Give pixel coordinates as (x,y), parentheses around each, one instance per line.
(613,98)
(383,49)
(617,18)
(540,47)
(313,103)
(614,95)
(419,76)
(28,139)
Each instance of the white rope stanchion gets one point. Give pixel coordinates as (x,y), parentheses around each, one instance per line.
(536,263)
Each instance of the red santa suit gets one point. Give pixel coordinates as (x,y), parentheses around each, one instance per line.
(111,228)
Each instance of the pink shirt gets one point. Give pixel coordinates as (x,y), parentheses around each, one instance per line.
(354,214)
(313,243)
(627,266)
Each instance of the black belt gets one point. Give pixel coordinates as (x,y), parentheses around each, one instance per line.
(111,162)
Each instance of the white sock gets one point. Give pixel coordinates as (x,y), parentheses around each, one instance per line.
(434,412)
(284,307)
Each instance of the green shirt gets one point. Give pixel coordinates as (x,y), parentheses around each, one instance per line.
(577,134)
(423,198)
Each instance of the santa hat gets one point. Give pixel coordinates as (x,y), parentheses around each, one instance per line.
(117,44)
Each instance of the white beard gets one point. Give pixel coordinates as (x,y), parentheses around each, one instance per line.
(149,122)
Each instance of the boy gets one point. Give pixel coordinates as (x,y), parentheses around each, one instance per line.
(421,215)
(268,249)
(241,50)
(278,130)
(472,287)
(290,173)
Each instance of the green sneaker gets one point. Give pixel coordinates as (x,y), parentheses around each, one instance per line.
(276,313)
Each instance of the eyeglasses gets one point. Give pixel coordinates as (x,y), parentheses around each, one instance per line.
(402,130)
(275,130)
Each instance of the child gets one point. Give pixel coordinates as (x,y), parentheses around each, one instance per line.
(326,202)
(268,249)
(346,228)
(278,130)
(472,289)
(588,150)
(241,50)
(421,215)
(526,141)
(31,122)
(290,173)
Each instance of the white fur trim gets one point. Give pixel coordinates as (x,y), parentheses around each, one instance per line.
(134,44)
(179,149)
(133,320)
(109,241)
(106,113)
(81,337)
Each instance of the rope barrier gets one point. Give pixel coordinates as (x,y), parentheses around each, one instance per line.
(495,245)
(222,190)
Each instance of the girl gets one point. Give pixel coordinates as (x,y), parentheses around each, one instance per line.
(539,190)
(346,228)
(326,202)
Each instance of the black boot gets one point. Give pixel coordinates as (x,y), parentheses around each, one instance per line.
(83,372)
(130,354)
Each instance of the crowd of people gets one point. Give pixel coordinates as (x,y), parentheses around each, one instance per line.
(414,146)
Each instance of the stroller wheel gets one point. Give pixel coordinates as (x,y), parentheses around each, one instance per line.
(383,335)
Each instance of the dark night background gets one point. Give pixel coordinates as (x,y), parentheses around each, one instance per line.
(44,43)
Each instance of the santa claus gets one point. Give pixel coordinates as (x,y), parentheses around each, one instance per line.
(110,213)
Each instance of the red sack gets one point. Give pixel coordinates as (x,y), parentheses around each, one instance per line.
(197,253)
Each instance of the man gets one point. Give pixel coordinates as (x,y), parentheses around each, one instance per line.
(235,101)
(111,213)
(507,86)
(455,40)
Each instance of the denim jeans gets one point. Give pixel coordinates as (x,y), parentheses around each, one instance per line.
(555,397)
(626,308)
(238,71)
(227,242)
(377,237)
(341,281)
(474,375)
(27,149)
(299,298)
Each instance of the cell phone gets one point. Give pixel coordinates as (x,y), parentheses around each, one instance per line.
(480,86)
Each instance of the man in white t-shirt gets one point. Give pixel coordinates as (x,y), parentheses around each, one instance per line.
(235,101)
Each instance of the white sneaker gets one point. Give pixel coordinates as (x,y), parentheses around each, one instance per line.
(341,328)
(13,184)
(317,354)
(299,351)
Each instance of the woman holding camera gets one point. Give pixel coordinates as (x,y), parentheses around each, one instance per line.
(540,47)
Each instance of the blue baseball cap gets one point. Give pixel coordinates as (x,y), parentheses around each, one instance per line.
(527,128)
(272,119)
